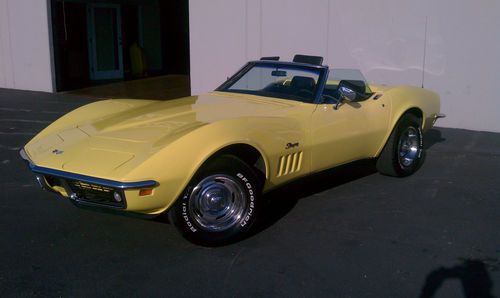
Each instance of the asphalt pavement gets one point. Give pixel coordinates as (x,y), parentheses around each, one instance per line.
(349,232)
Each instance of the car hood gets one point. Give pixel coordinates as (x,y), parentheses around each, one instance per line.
(137,131)
(166,118)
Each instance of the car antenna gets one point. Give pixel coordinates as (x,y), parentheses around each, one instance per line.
(425,49)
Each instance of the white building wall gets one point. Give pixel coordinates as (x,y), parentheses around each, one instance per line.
(25,58)
(384,38)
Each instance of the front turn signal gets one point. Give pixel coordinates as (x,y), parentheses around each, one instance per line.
(145,192)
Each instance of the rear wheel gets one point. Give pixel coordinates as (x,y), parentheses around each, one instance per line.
(402,154)
(220,204)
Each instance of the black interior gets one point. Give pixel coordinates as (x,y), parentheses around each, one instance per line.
(302,83)
(299,88)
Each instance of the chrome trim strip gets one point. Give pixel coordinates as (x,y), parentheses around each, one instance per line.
(89,179)
(93,180)
(439,115)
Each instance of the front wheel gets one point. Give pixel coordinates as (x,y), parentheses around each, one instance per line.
(220,204)
(402,154)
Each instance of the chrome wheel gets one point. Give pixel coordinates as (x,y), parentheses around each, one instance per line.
(217,203)
(409,147)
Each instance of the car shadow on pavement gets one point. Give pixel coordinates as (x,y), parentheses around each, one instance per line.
(432,137)
(472,274)
(282,200)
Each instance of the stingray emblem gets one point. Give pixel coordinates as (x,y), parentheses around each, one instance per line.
(57,151)
(291,145)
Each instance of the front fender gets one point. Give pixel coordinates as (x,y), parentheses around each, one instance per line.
(176,164)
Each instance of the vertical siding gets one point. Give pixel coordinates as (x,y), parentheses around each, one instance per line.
(25,61)
(385,39)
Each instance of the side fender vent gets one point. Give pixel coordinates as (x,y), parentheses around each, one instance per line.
(290,163)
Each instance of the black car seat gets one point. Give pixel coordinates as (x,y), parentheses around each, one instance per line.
(303,87)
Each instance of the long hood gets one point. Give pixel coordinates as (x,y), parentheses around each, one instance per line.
(134,130)
(162,119)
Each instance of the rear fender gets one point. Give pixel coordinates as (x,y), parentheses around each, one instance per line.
(405,98)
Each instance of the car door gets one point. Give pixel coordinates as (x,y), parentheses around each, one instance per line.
(355,130)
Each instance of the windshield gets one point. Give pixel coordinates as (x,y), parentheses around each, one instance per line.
(293,82)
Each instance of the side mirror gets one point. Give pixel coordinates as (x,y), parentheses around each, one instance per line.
(347,93)
(352,90)
(349,90)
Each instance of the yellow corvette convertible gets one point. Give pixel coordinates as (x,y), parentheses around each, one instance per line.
(206,160)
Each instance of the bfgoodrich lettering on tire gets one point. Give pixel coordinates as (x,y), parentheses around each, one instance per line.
(220,204)
(402,154)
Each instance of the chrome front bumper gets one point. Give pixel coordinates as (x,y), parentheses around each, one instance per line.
(439,115)
(431,120)
(39,178)
(84,189)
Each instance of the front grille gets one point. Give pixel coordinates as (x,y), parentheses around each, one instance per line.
(90,187)
(96,194)
(85,192)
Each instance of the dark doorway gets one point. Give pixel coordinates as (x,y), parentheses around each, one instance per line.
(175,25)
(69,27)
(95,42)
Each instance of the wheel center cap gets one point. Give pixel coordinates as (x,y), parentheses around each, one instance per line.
(216,200)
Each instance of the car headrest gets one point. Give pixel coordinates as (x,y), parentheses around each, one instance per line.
(300,82)
(316,60)
(271,58)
